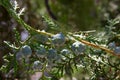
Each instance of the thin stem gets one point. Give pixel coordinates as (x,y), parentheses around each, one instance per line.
(93,45)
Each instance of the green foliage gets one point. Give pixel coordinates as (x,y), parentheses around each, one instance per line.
(59,55)
(77,14)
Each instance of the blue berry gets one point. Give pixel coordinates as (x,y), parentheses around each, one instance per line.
(47,74)
(26,51)
(53,58)
(117,50)
(65,51)
(40,38)
(41,52)
(58,39)
(112,45)
(19,56)
(37,65)
(78,47)
(52,54)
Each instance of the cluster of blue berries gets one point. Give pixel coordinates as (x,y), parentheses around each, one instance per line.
(114,47)
(49,53)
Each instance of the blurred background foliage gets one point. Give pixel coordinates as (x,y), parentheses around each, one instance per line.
(70,15)
(73,15)
(78,14)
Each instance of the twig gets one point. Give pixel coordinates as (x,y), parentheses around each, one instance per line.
(94,45)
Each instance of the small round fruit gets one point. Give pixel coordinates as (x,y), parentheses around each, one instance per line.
(47,74)
(52,54)
(65,51)
(117,50)
(40,38)
(19,56)
(37,65)
(58,39)
(26,51)
(78,47)
(41,52)
(112,45)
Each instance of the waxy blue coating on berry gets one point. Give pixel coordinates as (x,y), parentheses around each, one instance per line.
(41,38)
(52,54)
(65,51)
(112,45)
(19,55)
(37,65)
(41,52)
(117,50)
(58,39)
(26,51)
(78,47)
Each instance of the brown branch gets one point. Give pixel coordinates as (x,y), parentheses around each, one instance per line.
(96,46)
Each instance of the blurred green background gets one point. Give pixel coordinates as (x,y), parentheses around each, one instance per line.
(73,15)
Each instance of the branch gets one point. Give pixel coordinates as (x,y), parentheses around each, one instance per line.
(94,45)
